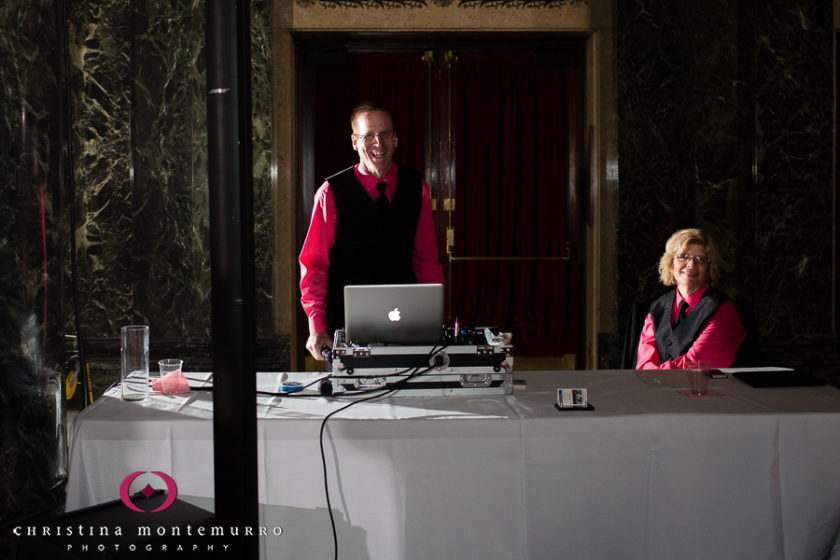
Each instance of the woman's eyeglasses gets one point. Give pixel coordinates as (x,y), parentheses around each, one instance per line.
(698,260)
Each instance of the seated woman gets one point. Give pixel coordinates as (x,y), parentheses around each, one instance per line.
(694,322)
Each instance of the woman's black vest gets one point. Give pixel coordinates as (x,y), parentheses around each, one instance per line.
(373,245)
(673,342)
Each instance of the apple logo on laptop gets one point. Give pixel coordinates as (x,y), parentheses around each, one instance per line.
(394,314)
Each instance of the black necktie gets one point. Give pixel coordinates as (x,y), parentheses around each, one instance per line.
(382,201)
(681,315)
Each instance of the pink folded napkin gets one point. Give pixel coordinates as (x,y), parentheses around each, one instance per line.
(171,384)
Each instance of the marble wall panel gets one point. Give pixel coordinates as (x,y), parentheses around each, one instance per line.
(794,112)
(32,234)
(677,126)
(725,123)
(167,243)
(105,205)
(261,100)
(676,98)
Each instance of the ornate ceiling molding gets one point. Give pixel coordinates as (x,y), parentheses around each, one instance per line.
(384,4)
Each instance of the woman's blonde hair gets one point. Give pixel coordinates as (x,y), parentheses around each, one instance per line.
(677,245)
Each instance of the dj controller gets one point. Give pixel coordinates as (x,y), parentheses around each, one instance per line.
(463,361)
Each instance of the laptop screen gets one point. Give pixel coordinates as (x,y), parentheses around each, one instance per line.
(393,313)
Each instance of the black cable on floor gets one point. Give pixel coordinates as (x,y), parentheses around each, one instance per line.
(381,392)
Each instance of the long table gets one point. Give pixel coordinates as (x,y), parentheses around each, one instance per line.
(650,473)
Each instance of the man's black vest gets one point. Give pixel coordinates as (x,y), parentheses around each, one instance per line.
(373,245)
(674,342)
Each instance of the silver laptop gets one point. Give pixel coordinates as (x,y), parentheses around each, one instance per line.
(393,313)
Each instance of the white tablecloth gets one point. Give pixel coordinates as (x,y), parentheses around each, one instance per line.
(650,473)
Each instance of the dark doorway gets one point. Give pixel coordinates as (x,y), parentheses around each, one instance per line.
(498,134)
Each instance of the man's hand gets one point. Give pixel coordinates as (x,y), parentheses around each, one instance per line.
(316,343)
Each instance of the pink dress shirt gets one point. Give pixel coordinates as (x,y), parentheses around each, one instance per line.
(717,344)
(315,254)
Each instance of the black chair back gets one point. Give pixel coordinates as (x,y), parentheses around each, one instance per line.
(631,335)
(749,353)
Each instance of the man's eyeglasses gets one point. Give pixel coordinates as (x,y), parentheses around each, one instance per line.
(698,260)
(370,137)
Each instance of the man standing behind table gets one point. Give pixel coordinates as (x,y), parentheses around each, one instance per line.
(371,224)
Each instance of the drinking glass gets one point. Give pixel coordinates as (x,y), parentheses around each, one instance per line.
(134,374)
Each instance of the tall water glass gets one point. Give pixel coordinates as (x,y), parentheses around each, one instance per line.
(698,377)
(134,374)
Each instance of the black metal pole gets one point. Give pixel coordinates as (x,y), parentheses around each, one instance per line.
(232,275)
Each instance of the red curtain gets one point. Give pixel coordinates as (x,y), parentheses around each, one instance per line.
(397,79)
(513,134)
